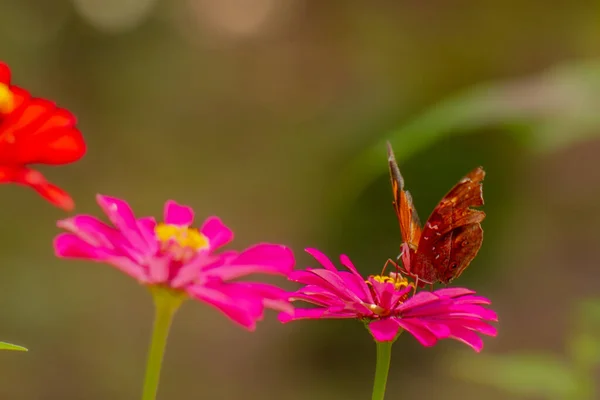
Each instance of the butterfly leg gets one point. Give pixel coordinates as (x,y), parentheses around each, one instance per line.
(416,284)
(389,261)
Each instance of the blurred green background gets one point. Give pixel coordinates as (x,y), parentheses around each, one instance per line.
(273,114)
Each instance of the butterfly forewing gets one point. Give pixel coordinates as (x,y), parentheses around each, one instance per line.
(410,226)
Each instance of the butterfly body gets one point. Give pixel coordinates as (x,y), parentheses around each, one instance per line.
(445,245)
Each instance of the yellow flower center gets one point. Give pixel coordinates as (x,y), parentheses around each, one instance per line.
(7,99)
(184,238)
(398,281)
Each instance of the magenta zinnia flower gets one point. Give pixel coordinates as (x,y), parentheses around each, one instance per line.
(175,256)
(387,305)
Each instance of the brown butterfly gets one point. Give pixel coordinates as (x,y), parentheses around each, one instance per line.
(450,239)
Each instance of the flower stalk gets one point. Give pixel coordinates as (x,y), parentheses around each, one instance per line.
(384,356)
(166,303)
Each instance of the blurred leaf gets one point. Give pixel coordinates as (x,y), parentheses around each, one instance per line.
(549,111)
(589,312)
(9,346)
(522,374)
(584,344)
(585,350)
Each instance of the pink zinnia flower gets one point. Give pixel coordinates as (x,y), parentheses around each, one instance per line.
(387,305)
(175,256)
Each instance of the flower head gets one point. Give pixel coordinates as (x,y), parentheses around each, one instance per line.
(176,256)
(387,305)
(35,131)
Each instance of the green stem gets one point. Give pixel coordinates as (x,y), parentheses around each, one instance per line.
(384,355)
(166,302)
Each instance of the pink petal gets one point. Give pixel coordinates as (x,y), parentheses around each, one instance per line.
(439,329)
(102,236)
(271,296)
(345,260)
(222,258)
(474,311)
(425,311)
(159,268)
(357,285)
(473,324)
(177,214)
(419,300)
(192,271)
(242,313)
(91,229)
(358,279)
(278,305)
(333,282)
(306,277)
(313,313)
(384,330)
(384,292)
(131,268)
(326,299)
(472,300)
(322,259)
(332,302)
(467,336)
(263,258)
(398,294)
(261,292)
(69,245)
(122,217)
(218,234)
(453,292)
(147,226)
(302,313)
(419,331)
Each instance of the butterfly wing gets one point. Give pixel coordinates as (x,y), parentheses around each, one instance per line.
(452,234)
(410,226)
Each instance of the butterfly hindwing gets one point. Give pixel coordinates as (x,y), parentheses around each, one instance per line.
(466,242)
(452,234)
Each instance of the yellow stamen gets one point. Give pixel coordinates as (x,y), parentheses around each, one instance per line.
(185,237)
(398,281)
(7,99)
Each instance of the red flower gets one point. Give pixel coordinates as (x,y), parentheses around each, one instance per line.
(35,131)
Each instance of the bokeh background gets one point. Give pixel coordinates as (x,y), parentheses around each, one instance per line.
(273,114)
